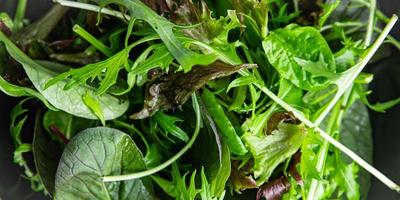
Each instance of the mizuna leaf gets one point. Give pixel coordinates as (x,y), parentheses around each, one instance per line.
(164,28)
(69,101)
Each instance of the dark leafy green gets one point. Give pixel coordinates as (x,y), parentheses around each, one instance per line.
(98,152)
(46,154)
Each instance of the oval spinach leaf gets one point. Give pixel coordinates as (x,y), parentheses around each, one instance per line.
(301,55)
(71,100)
(93,154)
(356,133)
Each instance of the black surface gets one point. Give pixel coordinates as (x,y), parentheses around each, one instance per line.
(386,127)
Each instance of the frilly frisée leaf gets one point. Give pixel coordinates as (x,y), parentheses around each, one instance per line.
(98,152)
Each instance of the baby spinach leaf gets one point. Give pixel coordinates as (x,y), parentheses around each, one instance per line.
(69,101)
(46,155)
(93,154)
(164,28)
(19,91)
(271,150)
(223,123)
(301,55)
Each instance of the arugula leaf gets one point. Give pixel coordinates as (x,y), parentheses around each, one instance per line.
(18,119)
(292,49)
(110,67)
(69,101)
(223,123)
(164,28)
(271,150)
(167,123)
(98,152)
(177,186)
(160,58)
(378,107)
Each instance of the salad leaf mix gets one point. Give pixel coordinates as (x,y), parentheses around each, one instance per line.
(195,99)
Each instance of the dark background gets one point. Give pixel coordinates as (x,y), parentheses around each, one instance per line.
(386,127)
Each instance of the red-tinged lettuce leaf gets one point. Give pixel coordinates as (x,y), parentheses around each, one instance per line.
(273,190)
(173,89)
(241,178)
(271,150)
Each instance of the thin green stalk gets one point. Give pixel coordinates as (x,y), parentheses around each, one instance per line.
(333,125)
(20,14)
(342,24)
(169,161)
(347,80)
(371,23)
(300,116)
(350,75)
(94,8)
(92,40)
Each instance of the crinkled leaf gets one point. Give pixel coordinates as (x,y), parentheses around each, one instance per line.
(164,28)
(93,154)
(285,47)
(271,150)
(173,89)
(69,101)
